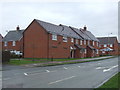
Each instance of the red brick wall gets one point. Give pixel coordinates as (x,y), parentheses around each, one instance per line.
(115,49)
(9,46)
(35,42)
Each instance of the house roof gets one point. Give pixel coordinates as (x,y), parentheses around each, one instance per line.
(91,47)
(106,40)
(58,29)
(13,35)
(78,46)
(81,34)
(90,35)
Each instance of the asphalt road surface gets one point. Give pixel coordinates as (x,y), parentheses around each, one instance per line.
(81,75)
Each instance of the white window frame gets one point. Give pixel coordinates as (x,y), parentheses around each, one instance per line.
(97,51)
(76,41)
(93,43)
(64,39)
(72,39)
(85,51)
(13,43)
(80,42)
(111,45)
(105,45)
(54,37)
(5,43)
(84,42)
(88,42)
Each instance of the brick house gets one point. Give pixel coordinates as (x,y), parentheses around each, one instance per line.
(118,48)
(45,40)
(13,41)
(1,42)
(108,45)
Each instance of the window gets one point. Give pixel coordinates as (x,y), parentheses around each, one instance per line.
(72,39)
(105,45)
(84,42)
(76,41)
(111,45)
(54,37)
(93,43)
(64,39)
(88,42)
(80,42)
(13,43)
(97,52)
(97,44)
(5,43)
(85,51)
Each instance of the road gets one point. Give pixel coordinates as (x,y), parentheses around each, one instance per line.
(81,75)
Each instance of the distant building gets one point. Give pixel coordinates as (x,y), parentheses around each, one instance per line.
(46,40)
(13,41)
(118,48)
(1,42)
(108,45)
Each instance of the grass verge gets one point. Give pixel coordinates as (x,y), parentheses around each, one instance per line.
(113,83)
(46,62)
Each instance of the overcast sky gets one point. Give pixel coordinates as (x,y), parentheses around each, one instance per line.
(101,17)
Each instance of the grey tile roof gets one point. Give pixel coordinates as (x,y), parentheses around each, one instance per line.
(106,40)
(58,29)
(80,47)
(13,35)
(90,35)
(84,36)
(91,47)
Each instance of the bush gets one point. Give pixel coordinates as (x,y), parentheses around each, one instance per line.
(5,56)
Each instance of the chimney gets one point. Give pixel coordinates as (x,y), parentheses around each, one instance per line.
(17,28)
(85,28)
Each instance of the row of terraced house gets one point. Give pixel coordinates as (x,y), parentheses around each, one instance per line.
(45,40)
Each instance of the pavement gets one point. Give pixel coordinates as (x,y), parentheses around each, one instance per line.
(60,62)
(79,75)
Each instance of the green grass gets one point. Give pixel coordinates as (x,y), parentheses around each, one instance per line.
(33,61)
(113,83)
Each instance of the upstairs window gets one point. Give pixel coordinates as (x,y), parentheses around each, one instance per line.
(93,43)
(80,42)
(5,43)
(13,43)
(111,45)
(76,41)
(84,42)
(88,42)
(105,45)
(64,39)
(54,37)
(72,39)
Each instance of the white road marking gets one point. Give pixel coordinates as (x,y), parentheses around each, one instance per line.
(61,80)
(100,67)
(65,68)
(42,73)
(79,66)
(105,70)
(47,71)
(26,74)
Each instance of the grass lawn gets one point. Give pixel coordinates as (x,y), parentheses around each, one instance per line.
(113,83)
(32,61)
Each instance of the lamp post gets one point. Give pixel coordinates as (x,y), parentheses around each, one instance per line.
(108,42)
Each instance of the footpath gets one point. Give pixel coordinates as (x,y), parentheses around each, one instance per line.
(51,63)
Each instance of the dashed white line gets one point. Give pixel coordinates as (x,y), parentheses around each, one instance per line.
(65,68)
(105,70)
(61,80)
(47,71)
(100,67)
(79,66)
(25,74)
(6,79)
